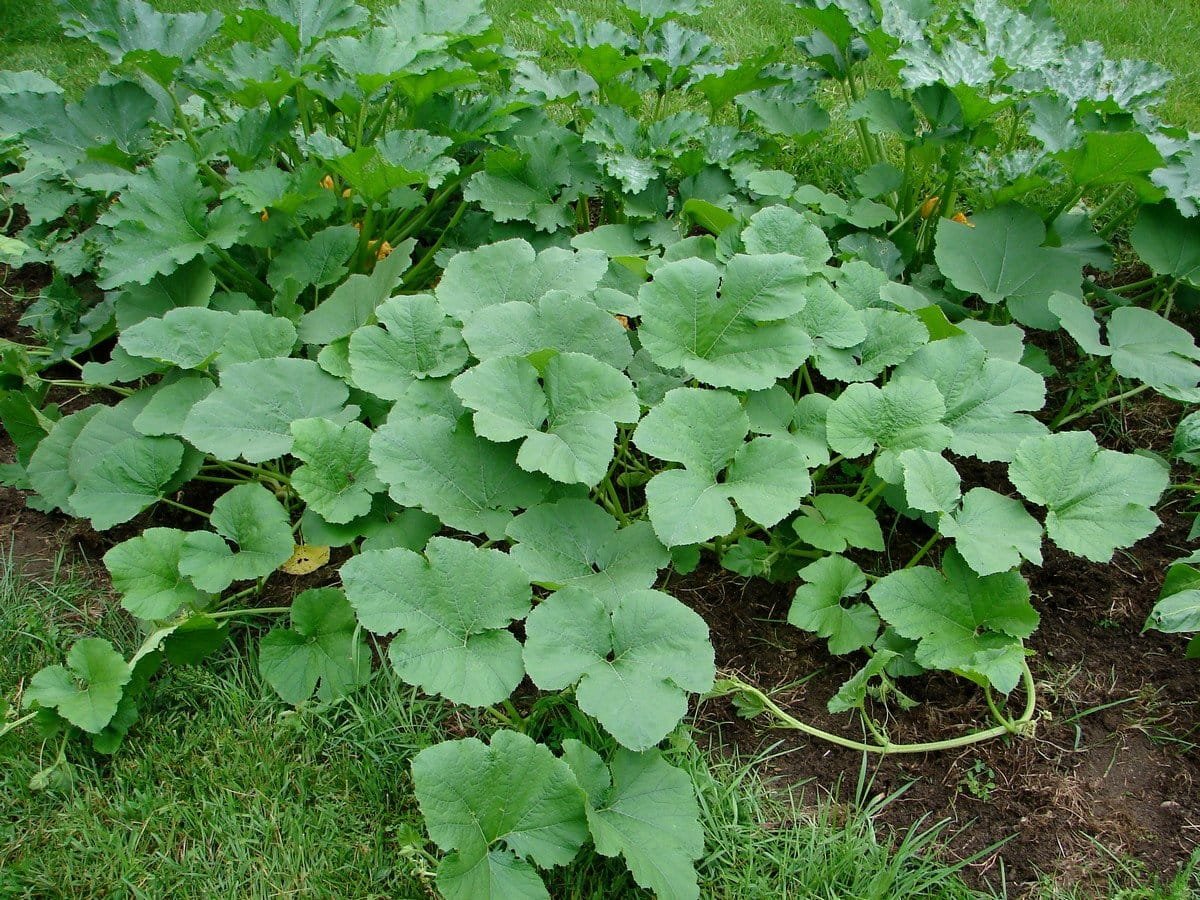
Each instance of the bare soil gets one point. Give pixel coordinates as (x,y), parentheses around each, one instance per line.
(1115,758)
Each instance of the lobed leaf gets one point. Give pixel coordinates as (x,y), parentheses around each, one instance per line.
(633,666)
(449,610)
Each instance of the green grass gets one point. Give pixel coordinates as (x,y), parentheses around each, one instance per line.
(1164,31)
(223,791)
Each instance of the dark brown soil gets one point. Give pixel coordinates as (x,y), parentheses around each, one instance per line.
(1115,758)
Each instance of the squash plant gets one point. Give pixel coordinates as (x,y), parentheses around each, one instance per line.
(502,425)
(290,144)
(1178,607)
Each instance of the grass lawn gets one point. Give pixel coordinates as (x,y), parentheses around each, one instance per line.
(1164,31)
(223,791)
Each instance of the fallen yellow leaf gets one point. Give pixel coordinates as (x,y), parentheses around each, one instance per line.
(305,558)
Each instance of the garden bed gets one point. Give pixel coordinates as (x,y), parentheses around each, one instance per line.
(576,400)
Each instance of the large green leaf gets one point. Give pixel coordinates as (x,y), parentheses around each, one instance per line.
(354,302)
(319,652)
(644,809)
(817,605)
(301,22)
(337,478)
(317,261)
(511,271)
(87,691)
(450,610)
(633,667)
(128,477)
(781,229)
(1114,157)
(774,413)
(250,415)
(931,483)
(987,398)
(835,522)
(705,431)
(906,413)
(493,809)
(576,543)
(1168,243)
(729,329)
(254,334)
(188,337)
(558,321)
(575,398)
(168,408)
(1096,500)
(889,337)
(1141,343)
(119,27)
(442,467)
(49,466)
(145,571)
(413,339)
(833,322)
(962,621)
(162,221)
(191,284)
(1178,607)
(249,516)
(533,181)
(1000,257)
(993,533)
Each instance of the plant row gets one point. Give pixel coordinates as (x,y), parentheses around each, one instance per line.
(512,347)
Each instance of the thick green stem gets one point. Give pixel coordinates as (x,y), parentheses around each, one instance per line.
(14,725)
(909,216)
(1118,219)
(1107,203)
(883,746)
(84,385)
(184,507)
(218,180)
(254,611)
(870,495)
(1067,203)
(1108,401)
(925,548)
(997,713)
(427,260)
(1137,285)
(611,492)
(257,471)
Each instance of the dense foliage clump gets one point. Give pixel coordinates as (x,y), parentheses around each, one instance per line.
(510,343)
